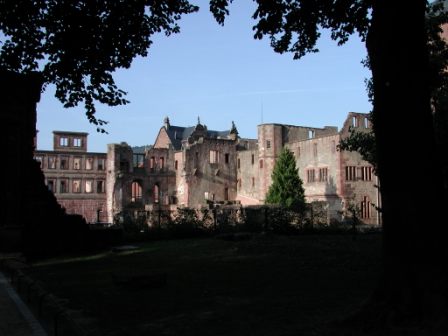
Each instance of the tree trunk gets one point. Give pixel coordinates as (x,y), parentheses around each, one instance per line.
(414,281)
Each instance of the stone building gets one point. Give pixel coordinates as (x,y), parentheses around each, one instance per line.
(196,167)
(76,177)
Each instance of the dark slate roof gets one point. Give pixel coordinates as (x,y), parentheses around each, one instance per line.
(178,134)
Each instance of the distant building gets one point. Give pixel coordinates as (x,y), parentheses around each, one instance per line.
(76,177)
(196,167)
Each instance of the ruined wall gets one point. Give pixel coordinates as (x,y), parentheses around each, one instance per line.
(210,171)
(318,162)
(248,179)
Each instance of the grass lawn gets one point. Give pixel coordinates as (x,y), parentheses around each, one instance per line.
(268,285)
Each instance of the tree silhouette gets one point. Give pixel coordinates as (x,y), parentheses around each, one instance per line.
(286,188)
(414,247)
(77,45)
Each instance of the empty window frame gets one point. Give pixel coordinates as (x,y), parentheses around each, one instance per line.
(310,175)
(350,173)
(63,186)
(77,163)
(364,173)
(365,208)
(100,186)
(253,159)
(214,156)
(311,134)
(124,166)
(77,142)
(63,162)
(226,158)
(323,174)
(50,185)
(156,193)
(101,164)
(138,160)
(268,144)
(366,122)
(88,187)
(161,162)
(355,121)
(76,186)
(176,165)
(136,191)
(52,162)
(63,141)
(39,159)
(261,164)
(89,163)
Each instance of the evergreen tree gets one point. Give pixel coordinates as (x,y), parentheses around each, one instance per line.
(286,188)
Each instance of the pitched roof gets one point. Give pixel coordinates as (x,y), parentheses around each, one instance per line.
(177,134)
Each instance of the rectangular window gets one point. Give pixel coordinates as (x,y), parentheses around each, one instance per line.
(77,163)
(253,181)
(350,173)
(310,175)
(365,208)
(63,164)
(310,134)
(323,174)
(364,173)
(239,163)
(51,162)
(214,156)
(50,185)
(261,164)
(355,122)
(100,186)
(176,165)
(63,141)
(161,162)
(77,142)
(89,186)
(63,186)
(101,164)
(40,160)
(253,159)
(333,146)
(89,163)
(138,160)
(268,143)
(226,158)
(76,186)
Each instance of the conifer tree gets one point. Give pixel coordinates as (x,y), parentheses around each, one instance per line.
(286,188)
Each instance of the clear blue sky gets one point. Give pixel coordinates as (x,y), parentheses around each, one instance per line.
(220,74)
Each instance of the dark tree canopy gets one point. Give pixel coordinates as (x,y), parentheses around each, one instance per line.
(286,188)
(77,45)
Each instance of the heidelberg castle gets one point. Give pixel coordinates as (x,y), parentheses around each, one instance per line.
(195,167)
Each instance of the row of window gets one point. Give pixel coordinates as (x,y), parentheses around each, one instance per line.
(321,176)
(354,173)
(75,163)
(70,142)
(64,186)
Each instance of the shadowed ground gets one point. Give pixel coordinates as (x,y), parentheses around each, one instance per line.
(268,285)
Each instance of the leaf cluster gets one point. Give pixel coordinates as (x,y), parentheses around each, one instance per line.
(287,187)
(77,45)
(293,25)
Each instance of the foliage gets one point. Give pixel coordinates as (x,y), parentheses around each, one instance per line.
(361,142)
(77,45)
(286,188)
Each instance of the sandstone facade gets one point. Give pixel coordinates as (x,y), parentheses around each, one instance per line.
(196,167)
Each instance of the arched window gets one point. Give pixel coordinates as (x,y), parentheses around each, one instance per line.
(136,191)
